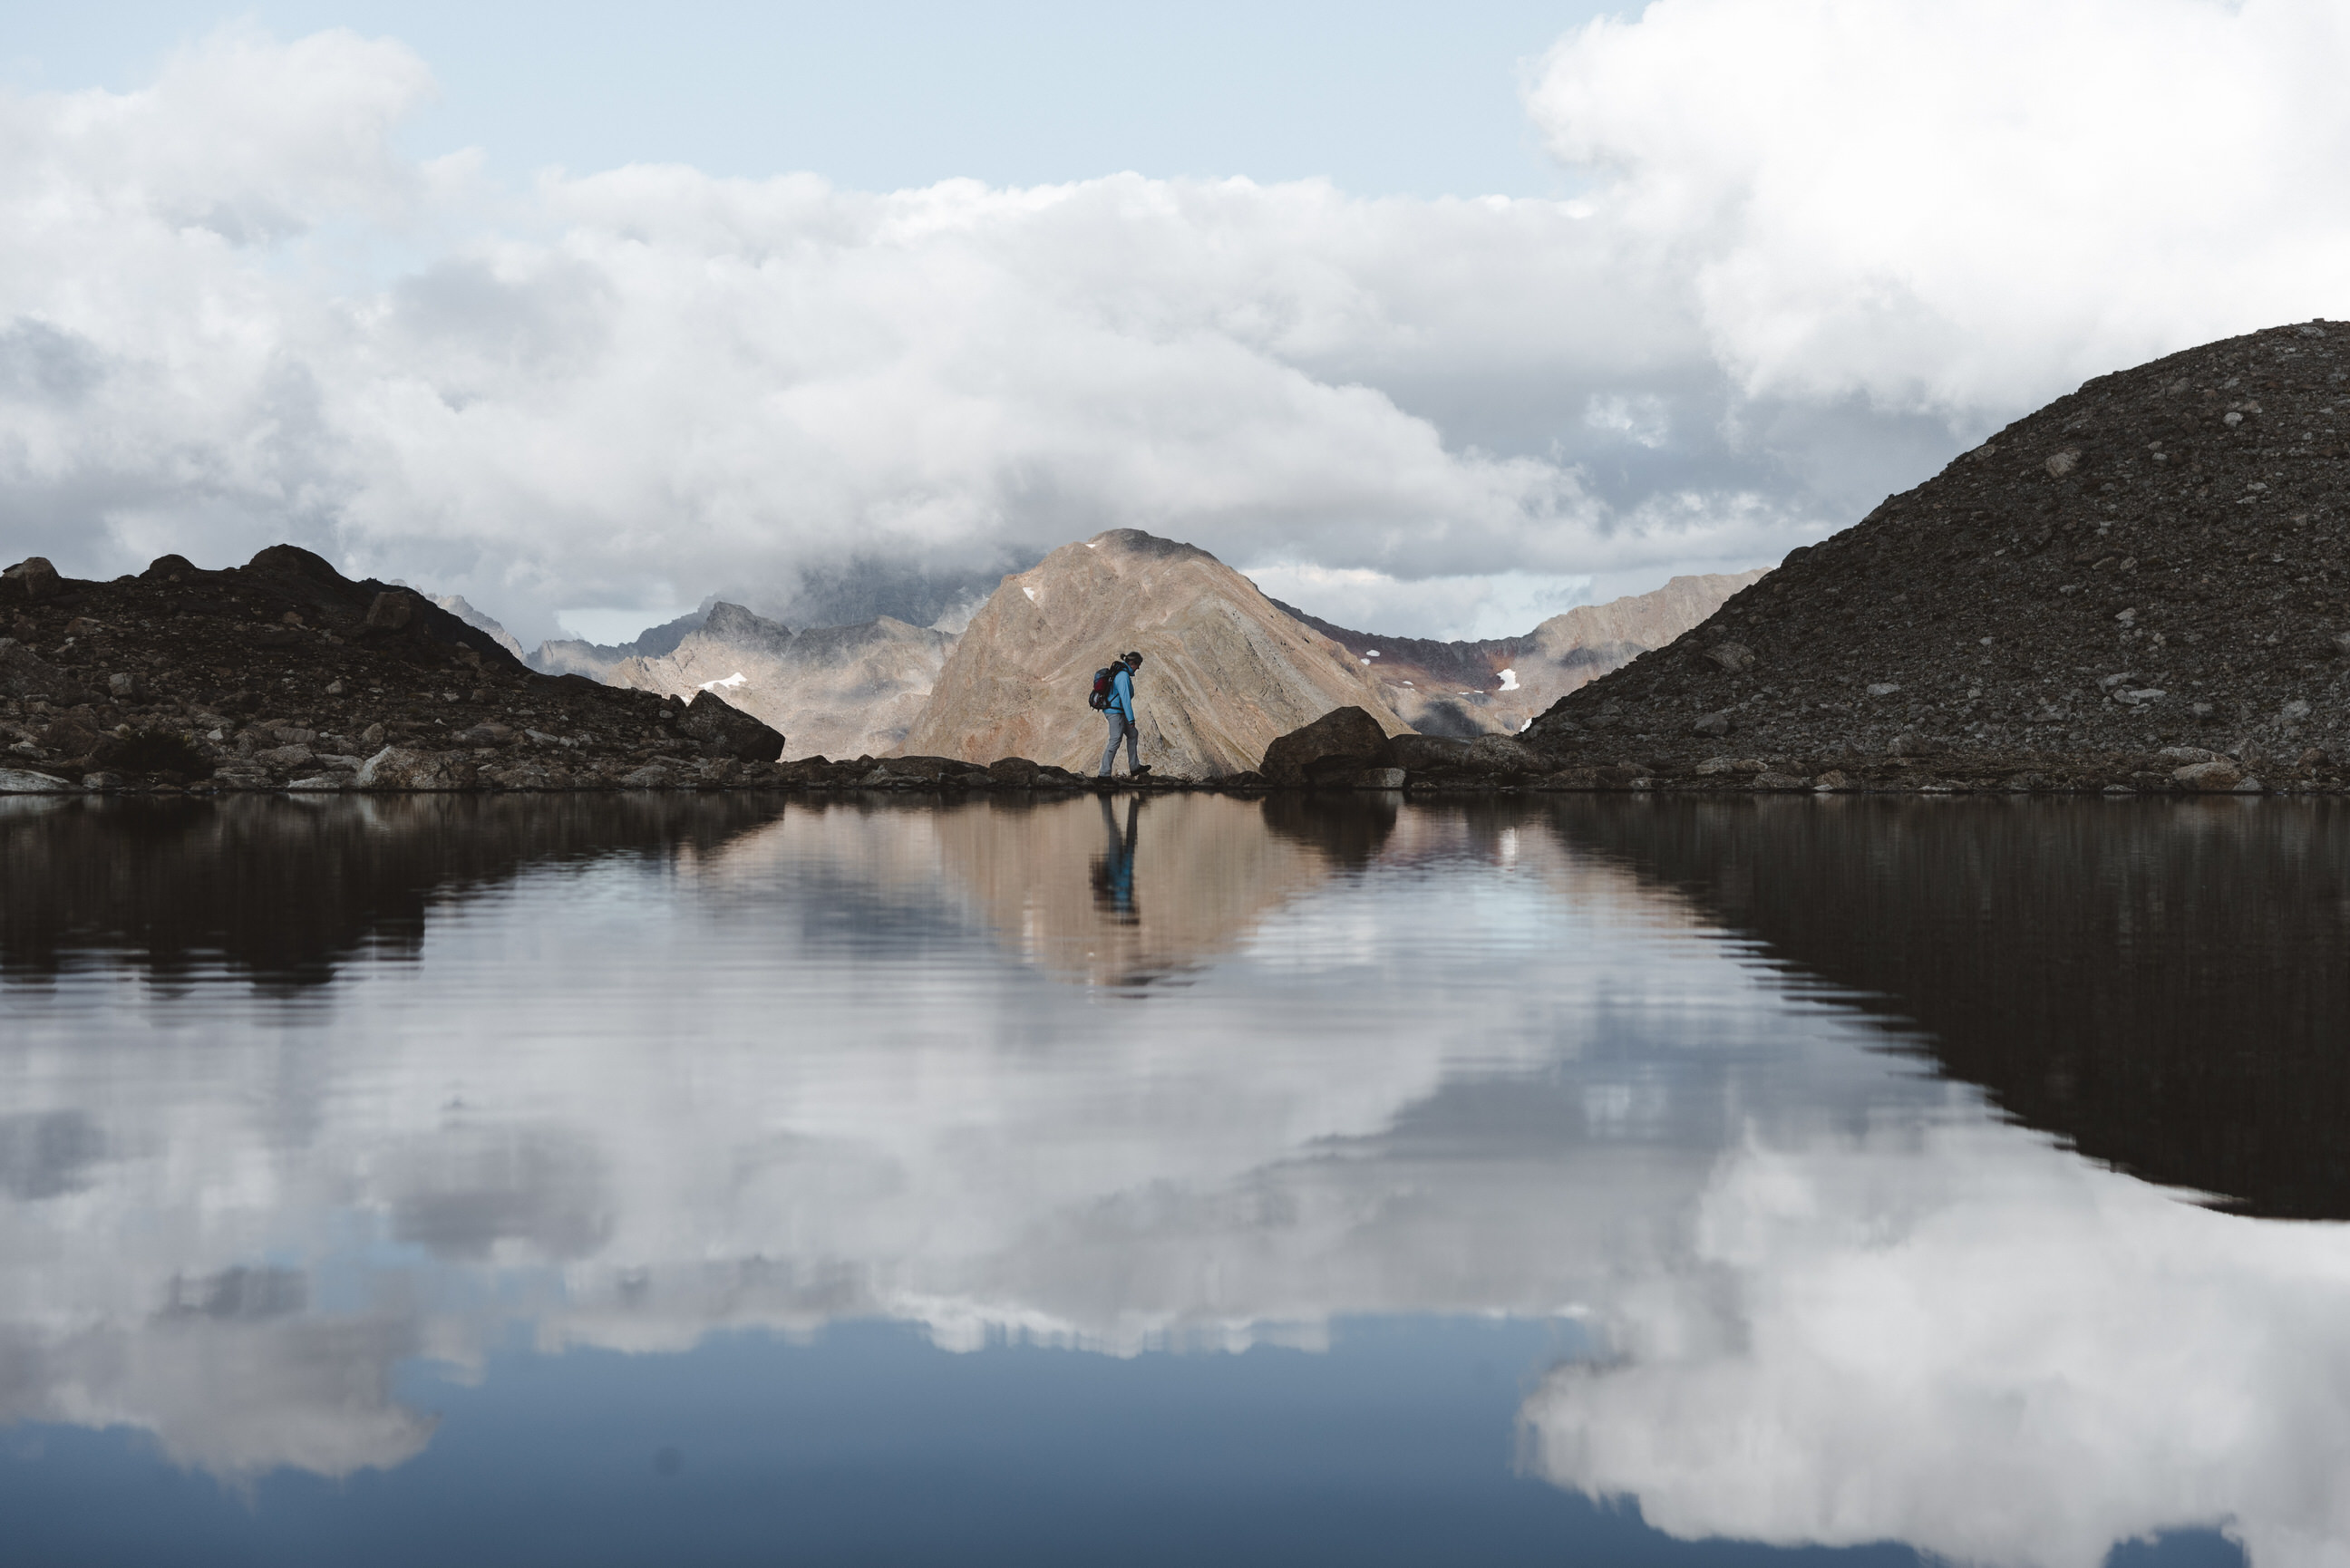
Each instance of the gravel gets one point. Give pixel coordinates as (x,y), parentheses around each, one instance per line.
(2159,560)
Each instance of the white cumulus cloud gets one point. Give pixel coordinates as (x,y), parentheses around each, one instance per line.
(1831,244)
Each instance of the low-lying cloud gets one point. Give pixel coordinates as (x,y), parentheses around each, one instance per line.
(1830,245)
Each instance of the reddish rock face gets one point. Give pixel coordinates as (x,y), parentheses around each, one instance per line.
(1225,670)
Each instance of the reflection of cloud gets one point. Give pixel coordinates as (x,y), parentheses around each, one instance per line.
(1448,1063)
(1974,1344)
(462,1192)
(789,1077)
(227,1391)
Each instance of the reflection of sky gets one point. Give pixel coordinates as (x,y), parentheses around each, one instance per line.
(857,1066)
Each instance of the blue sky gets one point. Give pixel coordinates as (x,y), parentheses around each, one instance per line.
(1384,99)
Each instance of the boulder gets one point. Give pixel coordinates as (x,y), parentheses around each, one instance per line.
(1014,773)
(2216,774)
(30,581)
(927,770)
(1343,740)
(1501,755)
(725,730)
(17,781)
(1427,753)
(400,768)
(69,735)
(24,673)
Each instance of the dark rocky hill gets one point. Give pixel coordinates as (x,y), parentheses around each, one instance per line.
(284,672)
(2145,576)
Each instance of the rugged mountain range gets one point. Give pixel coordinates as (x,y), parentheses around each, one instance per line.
(1226,669)
(1494,687)
(577,656)
(1230,669)
(835,691)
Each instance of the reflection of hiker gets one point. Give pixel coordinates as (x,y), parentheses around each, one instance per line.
(1118,707)
(1114,871)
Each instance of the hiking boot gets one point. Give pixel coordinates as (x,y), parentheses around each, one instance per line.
(1142,772)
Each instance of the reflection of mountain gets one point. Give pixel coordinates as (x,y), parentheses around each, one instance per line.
(818,1065)
(283,889)
(2164,985)
(1122,894)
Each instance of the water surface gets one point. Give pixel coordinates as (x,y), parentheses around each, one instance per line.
(592,1181)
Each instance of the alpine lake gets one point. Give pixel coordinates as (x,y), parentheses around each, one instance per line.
(719,1180)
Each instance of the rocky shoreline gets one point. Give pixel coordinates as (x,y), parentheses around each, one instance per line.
(284,676)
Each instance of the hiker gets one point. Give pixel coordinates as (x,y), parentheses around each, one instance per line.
(1120,709)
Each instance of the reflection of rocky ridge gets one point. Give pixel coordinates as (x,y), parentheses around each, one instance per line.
(283,891)
(2164,985)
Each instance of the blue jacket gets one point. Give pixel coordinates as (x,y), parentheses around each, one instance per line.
(1121,692)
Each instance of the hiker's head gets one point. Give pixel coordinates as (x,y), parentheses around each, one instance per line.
(1133,661)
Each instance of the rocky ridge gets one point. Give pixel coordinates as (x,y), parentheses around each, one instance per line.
(283,673)
(2144,585)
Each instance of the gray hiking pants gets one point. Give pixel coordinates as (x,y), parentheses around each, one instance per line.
(1121,728)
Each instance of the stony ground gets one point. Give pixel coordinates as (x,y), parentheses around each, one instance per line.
(284,674)
(2145,584)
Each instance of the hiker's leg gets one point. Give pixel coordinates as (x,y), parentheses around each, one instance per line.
(1109,753)
(1133,745)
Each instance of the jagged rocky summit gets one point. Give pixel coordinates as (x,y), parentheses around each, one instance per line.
(1496,685)
(2145,584)
(1226,671)
(839,691)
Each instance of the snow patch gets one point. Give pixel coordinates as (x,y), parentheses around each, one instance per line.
(1032,592)
(1509,680)
(732,681)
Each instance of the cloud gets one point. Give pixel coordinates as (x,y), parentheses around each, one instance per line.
(1832,244)
(1969,208)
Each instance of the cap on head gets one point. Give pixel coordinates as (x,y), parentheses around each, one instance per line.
(1134,660)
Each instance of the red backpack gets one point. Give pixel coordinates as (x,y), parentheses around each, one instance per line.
(1104,690)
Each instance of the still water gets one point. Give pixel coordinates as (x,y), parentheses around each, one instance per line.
(1180,1180)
